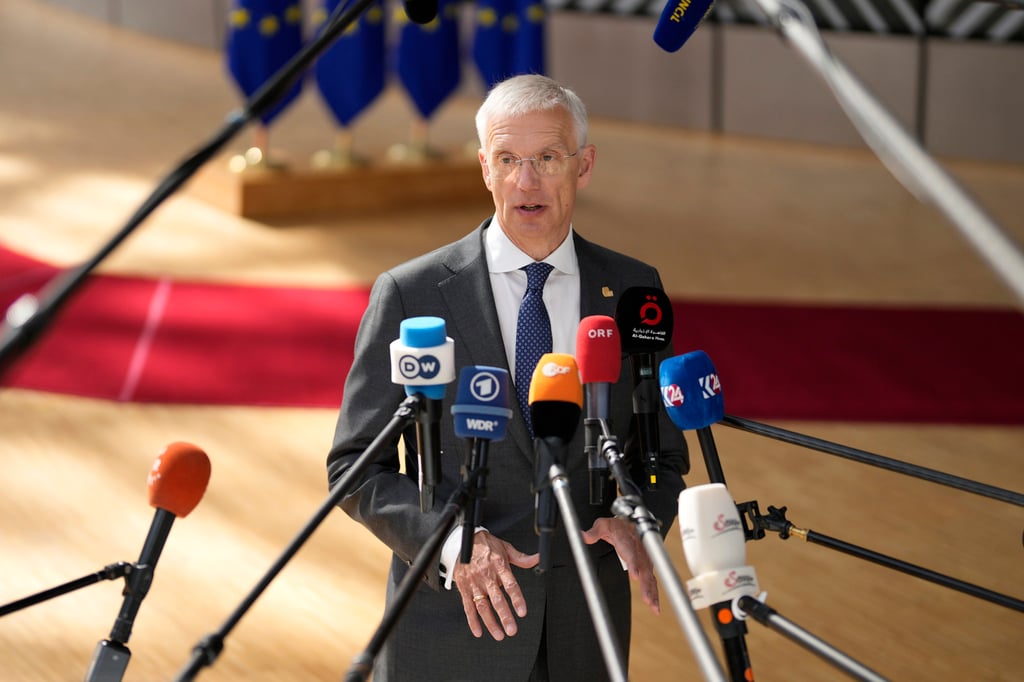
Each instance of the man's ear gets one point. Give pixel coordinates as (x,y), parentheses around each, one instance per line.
(485,171)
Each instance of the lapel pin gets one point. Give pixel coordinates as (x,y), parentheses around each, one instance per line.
(606,292)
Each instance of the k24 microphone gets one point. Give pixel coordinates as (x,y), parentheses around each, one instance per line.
(556,401)
(692,394)
(599,354)
(420,11)
(481,413)
(713,542)
(423,360)
(678,21)
(176,483)
(643,316)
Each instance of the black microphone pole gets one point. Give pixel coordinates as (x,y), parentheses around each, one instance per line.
(477,492)
(28,316)
(864,457)
(111,572)
(209,648)
(629,505)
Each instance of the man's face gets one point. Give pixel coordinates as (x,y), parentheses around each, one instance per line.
(535,209)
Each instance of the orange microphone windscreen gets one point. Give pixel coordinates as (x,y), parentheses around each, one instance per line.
(178,478)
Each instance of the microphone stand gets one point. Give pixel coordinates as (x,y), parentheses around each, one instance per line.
(613,659)
(28,316)
(426,558)
(209,647)
(629,505)
(477,493)
(904,158)
(875,460)
(111,572)
(768,616)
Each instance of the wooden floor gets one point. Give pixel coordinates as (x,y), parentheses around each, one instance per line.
(92,117)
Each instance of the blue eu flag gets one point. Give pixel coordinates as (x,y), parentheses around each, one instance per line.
(428,57)
(509,38)
(351,73)
(263,35)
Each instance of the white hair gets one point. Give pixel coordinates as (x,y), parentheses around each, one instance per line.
(527,94)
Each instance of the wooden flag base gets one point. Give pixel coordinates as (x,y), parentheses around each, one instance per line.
(279,192)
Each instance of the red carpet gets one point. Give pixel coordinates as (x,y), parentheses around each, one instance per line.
(124,338)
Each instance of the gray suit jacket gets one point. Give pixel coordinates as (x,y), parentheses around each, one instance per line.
(432,640)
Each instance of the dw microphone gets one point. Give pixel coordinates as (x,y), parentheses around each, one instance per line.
(423,360)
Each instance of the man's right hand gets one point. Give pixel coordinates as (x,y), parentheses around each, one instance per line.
(490,591)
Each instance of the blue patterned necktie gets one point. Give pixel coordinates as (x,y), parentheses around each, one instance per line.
(533,334)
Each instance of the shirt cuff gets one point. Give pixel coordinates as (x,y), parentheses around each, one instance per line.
(450,554)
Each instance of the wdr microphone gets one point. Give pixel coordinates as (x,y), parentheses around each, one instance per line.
(556,401)
(176,483)
(420,11)
(643,316)
(692,394)
(599,354)
(678,21)
(481,412)
(423,360)
(713,542)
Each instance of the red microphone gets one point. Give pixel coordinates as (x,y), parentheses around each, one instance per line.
(176,483)
(599,356)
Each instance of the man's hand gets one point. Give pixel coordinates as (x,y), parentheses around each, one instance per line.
(622,535)
(488,586)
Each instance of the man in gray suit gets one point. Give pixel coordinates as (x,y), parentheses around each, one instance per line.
(534,156)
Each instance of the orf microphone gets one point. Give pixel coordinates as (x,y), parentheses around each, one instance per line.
(556,401)
(713,542)
(692,394)
(481,412)
(176,483)
(678,21)
(420,11)
(644,319)
(599,354)
(423,360)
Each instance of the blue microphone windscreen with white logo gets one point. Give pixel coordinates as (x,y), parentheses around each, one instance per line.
(481,408)
(423,357)
(691,390)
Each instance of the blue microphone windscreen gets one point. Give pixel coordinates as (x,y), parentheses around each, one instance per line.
(422,332)
(679,20)
(691,390)
(481,408)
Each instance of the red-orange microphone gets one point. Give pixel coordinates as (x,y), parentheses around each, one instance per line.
(599,354)
(176,483)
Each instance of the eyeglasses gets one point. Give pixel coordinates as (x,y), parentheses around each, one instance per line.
(546,164)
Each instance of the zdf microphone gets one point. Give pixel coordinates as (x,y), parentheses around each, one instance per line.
(599,354)
(556,401)
(175,483)
(423,360)
(678,21)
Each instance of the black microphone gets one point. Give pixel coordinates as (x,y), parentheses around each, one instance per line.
(423,360)
(556,401)
(420,11)
(176,483)
(481,413)
(678,21)
(644,318)
(599,354)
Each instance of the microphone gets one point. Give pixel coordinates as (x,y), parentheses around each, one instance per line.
(713,542)
(423,360)
(599,354)
(556,401)
(692,394)
(644,319)
(420,11)
(176,483)
(481,413)
(678,21)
